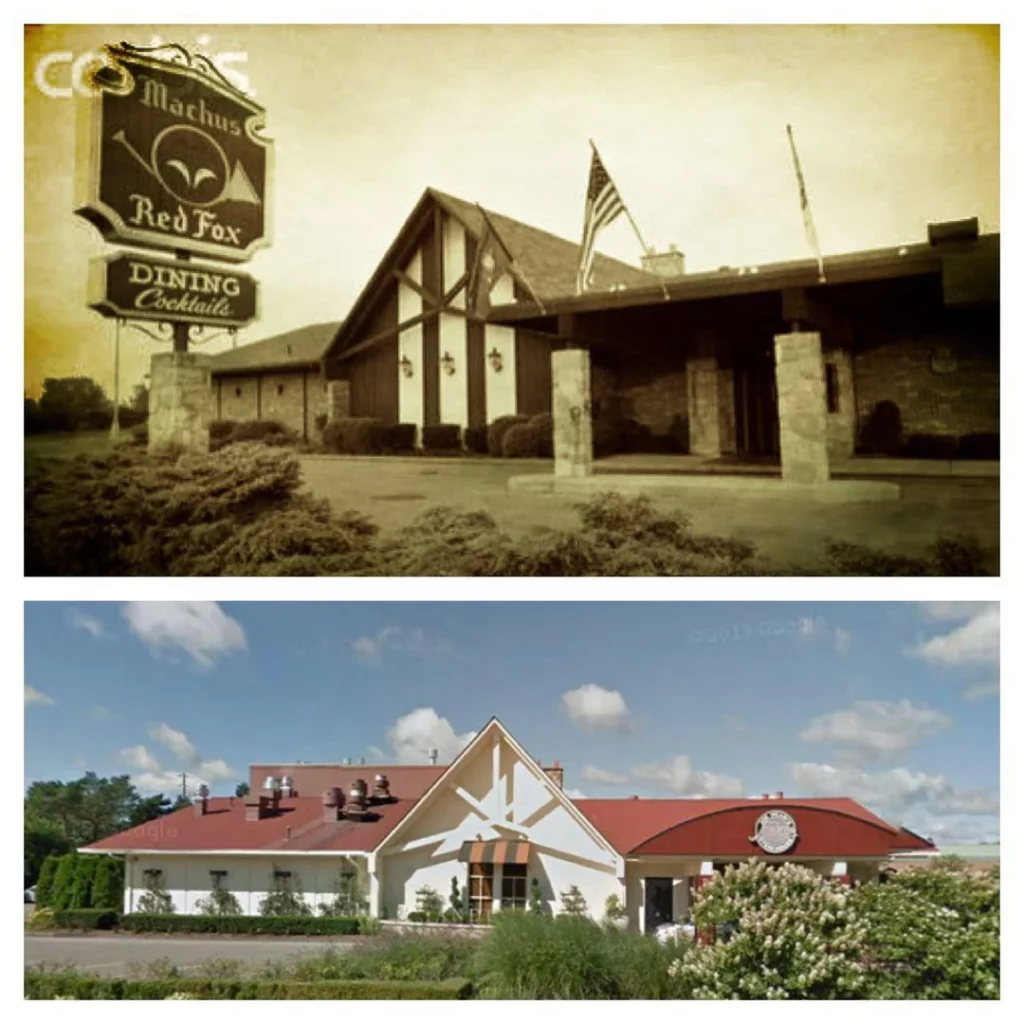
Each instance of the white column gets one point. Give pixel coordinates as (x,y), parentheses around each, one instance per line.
(410,347)
(642,915)
(570,404)
(453,389)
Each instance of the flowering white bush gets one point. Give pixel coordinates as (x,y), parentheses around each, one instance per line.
(784,932)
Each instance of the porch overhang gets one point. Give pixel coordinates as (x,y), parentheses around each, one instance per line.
(494,852)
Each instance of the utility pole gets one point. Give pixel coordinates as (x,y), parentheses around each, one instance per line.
(184,785)
(115,422)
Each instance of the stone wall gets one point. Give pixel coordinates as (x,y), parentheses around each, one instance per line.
(272,396)
(942,382)
(180,405)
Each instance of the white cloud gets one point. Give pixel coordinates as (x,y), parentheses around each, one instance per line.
(843,641)
(34,696)
(79,620)
(140,758)
(592,708)
(876,728)
(414,735)
(975,641)
(397,639)
(175,741)
(150,775)
(575,794)
(200,628)
(980,691)
(677,775)
(602,775)
(946,610)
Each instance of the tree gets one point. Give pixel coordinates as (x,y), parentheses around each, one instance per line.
(108,884)
(81,884)
(574,903)
(537,906)
(457,902)
(139,402)
(429,903)
(283,900)
(777,932)
(73,403)
(44,886)
(242,790)
(43,840)
(155,899)
(63,881)
(933,933)
(349,899)
(221,902)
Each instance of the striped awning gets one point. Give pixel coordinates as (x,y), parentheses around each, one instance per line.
(494,852)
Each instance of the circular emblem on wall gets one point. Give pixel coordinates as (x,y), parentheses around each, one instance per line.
(775,832)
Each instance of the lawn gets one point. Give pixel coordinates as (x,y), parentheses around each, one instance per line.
(393,491)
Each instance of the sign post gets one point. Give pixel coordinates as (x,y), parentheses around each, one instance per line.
(171,158)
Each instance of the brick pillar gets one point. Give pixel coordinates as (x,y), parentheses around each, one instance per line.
(842,424)
(180,401)
(803,420)
(703,406)
(339,400)
(570,406)
(727,412)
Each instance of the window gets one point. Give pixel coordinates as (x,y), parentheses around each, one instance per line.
(832,387)
(217,879)
(280,389)
(513,887)
(238,392)
(481,891)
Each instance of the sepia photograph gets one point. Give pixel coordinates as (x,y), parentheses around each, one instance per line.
(512,300)
(708,800)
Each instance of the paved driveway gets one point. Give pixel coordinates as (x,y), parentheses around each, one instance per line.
(115,955)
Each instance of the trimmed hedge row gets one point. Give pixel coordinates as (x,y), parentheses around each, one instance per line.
(76,986)
(240,925)
(86,920)
(365,435)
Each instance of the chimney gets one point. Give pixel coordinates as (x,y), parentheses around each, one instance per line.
(777,795)
(433,755)
(766,796)
(203,794)
(953,231)
(556,773)
(334,802)
(664,264)
(257,808)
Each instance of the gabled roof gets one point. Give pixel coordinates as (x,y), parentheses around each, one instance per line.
(629,823)
(299,349)
(548,262)
(298,827)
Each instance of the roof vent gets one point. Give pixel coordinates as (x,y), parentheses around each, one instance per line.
(287,786)
(202,793)
(777,795)
(766,796)
(634,797)
(346,761)
(556,773)
(271,782)
(355,806)
(664,264)
(333,801)
(381,787)
(953,231)
(433,755)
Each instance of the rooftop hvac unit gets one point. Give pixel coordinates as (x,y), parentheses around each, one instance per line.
(357,802)
(271,782)
(381,787)
(287,784)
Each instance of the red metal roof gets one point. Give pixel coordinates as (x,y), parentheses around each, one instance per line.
(629,823)
(224,827)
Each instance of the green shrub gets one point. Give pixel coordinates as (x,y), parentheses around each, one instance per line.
(574,903)
(320,422)
(240,925)
(442,437)
(108,883)
(396,437)
(219,902)
(978,446)
(521,441)
(948,556)
(285,899)
(537,906)
(496,433)
(221,430)
(429,903)
(475,440)
(44,884)
(86,920)
(40,985)
(81,884)
(544,424)
(353,435)
(350,893)
(63,882)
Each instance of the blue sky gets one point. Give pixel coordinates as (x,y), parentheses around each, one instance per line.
(894,704)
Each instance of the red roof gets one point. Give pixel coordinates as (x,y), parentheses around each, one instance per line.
(224,828)
(629,823)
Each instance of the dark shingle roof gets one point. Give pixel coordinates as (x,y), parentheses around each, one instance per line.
(549,262)
(299,348)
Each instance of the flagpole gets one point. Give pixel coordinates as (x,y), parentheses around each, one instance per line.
(805,206)
(511,259)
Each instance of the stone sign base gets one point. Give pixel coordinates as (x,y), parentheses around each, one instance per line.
(180,402)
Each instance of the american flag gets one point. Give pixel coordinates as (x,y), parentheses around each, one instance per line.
(604,204)
(805,207)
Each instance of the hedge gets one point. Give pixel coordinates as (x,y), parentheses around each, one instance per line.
(496,433)
(352,435)
(442,437)
(521,441)
(475,440)
(240,925)
(396,437)
(76,986)
(86,920)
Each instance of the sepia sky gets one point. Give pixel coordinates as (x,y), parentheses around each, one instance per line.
(896,126)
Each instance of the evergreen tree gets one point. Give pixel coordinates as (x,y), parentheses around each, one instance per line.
(108,885)
(536,907)
(44,886)
(457,901)
(81,885)
(156,899)
(283,901)
(573,902)
(63,881)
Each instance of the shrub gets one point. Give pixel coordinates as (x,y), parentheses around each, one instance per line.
(240,925)
(948,556)
(221,430)
(614,910)
(573,902)
(86,920)
(81,884)
(320,422)
(496,433)
(933,933)
(442,437)
(40,985)
(352,435)
(544,425)
(475,440)
(521,441)
(537,906)
(429,903)
(63,882)
(108,883)
(784,932)
(155,899)
(930,446)
(220,902)
(458,903)
(40,920)
(44,884)
(139,436)
(350,894)
(396,437)
(391,956)
(978,446)
(283,900)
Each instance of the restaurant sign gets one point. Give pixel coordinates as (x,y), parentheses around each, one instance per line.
(170,156)
(138,287)
(775,832)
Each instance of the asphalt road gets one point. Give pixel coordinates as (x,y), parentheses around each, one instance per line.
(115,955)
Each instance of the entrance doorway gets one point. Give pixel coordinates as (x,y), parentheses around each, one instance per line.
(757,409)
(657,902)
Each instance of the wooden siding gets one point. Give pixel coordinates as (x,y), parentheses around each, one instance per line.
(431,369)
(533,373)
(373,377)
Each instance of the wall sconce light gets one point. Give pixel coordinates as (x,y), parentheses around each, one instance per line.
(496,360)
(406,365)
(448,363)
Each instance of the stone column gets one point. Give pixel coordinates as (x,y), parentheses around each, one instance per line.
(180,401)
(842,424)
(339,400)
(703,406)
(803,420)
(570,406)
(727,411)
